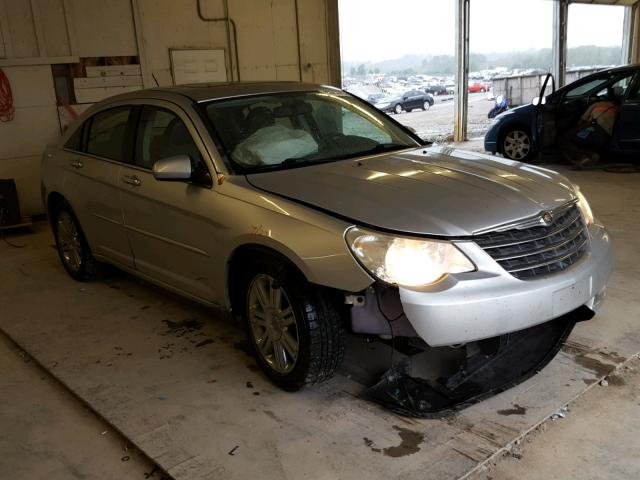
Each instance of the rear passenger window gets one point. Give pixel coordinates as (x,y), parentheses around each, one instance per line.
(108,133)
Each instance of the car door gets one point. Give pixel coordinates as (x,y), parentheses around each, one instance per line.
(406,101)
(626,131)
(416,99)
(546,114)
(169,224)
(93,155)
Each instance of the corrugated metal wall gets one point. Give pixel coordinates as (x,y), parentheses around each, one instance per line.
(520,90)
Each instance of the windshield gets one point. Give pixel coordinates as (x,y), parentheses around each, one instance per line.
(284,130)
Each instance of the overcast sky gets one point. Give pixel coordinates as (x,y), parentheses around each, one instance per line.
(382,29)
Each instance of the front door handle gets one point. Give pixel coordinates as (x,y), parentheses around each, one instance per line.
(77,164)
(132,180)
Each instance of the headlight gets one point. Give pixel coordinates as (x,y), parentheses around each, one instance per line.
(584,207)
(382,105)
(406,262)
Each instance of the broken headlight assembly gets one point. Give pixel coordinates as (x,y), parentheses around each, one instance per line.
(584,207)
(406,262)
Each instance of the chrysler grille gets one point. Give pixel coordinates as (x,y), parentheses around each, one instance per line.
(527,253)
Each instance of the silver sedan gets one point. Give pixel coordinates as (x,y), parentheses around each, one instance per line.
(306,212)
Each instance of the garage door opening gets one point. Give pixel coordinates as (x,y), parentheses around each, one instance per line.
(595,37)
(507,53)
(401,58)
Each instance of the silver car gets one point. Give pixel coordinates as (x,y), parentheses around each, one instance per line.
(307,213)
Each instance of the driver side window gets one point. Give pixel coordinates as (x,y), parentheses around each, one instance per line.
(162,134)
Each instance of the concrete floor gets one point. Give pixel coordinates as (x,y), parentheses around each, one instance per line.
(176,382)
(48,433)
(597,439)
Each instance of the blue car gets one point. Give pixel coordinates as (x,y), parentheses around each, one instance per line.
(523,132)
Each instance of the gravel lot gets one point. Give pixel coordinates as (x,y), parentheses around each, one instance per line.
(436,124)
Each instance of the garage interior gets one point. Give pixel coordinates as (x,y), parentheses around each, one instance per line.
(119,379)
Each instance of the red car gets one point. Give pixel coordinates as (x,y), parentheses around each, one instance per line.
(479,87)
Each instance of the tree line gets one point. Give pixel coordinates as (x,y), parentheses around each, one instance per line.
(446,64)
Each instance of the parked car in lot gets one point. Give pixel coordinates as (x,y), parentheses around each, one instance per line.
(521,133)
(436,89)
(376,97)
(406,102)
(305,211)
(479,87)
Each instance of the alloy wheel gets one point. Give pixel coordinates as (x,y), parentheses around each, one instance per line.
(517,145)
(69,241)
(398,108)
(273,324)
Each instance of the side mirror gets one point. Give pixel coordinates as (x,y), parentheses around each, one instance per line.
(537,101)
(174,169)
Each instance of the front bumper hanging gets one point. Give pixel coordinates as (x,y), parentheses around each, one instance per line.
(491,366)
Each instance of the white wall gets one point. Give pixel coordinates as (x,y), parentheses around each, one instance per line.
(35,123)
(37,33)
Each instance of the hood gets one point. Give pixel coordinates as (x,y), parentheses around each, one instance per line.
(435,191)
(522,110)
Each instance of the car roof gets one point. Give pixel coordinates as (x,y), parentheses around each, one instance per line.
(622,69)
(605,71)
(202,92)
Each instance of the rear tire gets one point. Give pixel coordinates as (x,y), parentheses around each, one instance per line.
(426,105)
(72,245)
(293,326)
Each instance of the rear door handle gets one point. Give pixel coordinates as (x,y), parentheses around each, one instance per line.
(132,180)
(77,164)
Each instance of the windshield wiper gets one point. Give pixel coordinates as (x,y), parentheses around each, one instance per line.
(379,148)
(383,147)
(313,159)
(304,158)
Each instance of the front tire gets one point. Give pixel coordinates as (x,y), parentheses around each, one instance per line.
(426,105)
(294,327)
(72,245)
(517,145)
(398,109)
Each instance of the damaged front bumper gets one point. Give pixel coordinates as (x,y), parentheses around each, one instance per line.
(491,302)
(492,366)
(510,328)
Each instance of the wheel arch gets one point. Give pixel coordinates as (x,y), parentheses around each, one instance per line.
(246,253)
(54,199)
(517,125)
